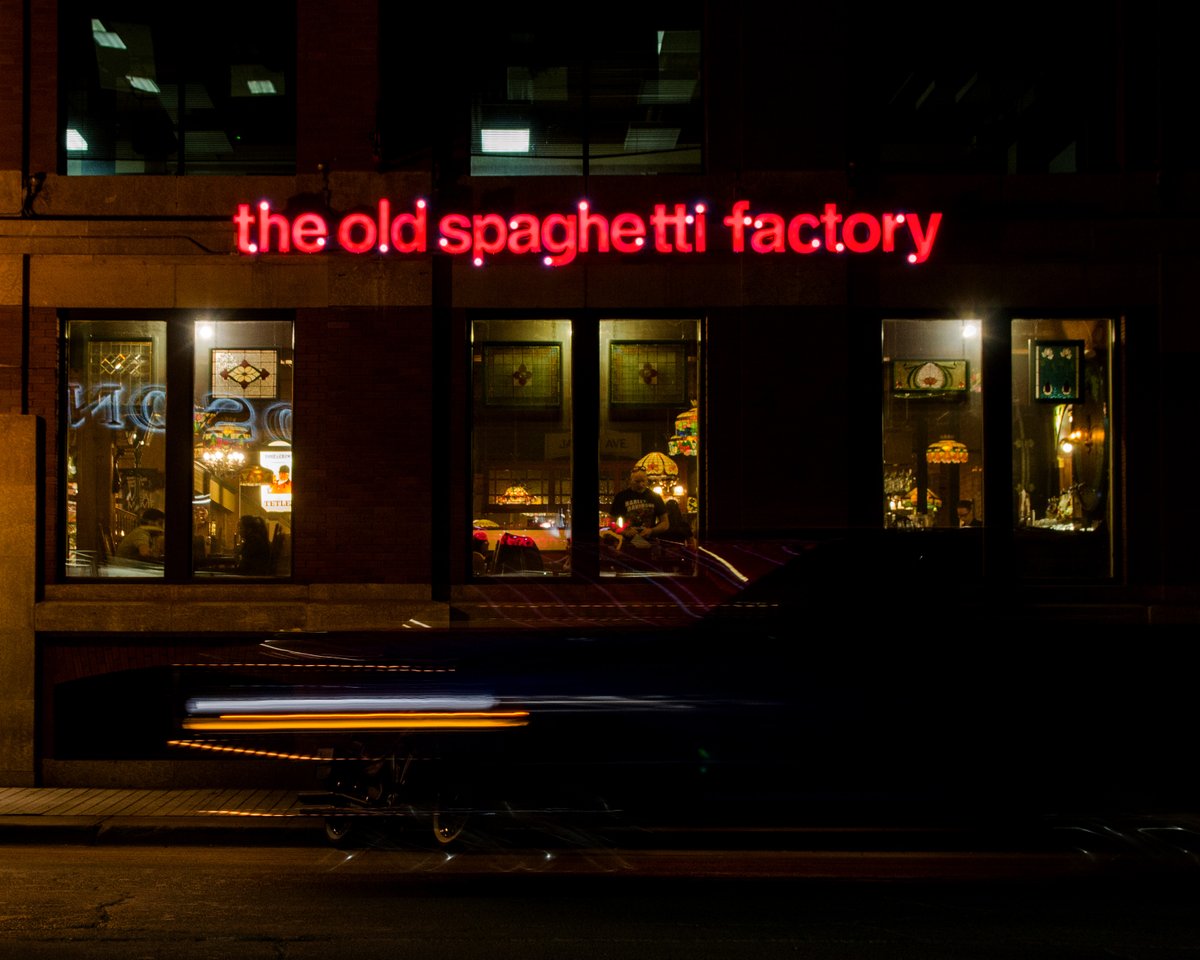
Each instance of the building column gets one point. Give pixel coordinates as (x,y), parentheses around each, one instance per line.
(18,577)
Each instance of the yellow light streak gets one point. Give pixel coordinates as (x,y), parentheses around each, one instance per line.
(401,720)
(243,751)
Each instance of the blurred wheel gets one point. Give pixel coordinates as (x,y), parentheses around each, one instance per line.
(448,825)
(340,831)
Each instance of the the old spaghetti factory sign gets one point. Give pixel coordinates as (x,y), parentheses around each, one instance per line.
(559,238)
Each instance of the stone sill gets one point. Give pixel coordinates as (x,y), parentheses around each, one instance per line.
(234,608)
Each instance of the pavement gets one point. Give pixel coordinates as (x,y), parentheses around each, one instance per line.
(1138,845)
(94,815)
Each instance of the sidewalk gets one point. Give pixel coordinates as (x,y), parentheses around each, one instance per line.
(93,815)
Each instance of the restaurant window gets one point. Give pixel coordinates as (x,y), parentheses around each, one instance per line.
(242,471)
(146,90)
(116,406)
(1063,447)
(619,97)
(932,424)
(649,455)
(522,449)
(123,490)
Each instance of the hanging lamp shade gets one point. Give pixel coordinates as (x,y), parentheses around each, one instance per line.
(946,450)
(660,469)
(686,441)
(515,494)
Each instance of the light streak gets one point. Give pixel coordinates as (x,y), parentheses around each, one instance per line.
(463,720)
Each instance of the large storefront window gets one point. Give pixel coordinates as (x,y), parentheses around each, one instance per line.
(521,495)
(116,407)
(649,446)
(647,423)
(243,471)
(1062,447)
(932,424)
(128,475)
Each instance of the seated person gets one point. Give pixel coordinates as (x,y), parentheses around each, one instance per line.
(678,529)
(145,541)
(966,514)
(254,550)
(639,512)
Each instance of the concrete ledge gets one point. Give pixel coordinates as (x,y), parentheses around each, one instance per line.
(229,608)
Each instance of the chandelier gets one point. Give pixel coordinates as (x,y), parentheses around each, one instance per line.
(223,459)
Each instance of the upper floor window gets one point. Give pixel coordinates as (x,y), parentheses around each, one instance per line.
(148,91)
(982,107)
(617,98)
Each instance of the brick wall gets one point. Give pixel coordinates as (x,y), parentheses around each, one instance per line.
(11,356)
(362,494)
(337,81)
(43,402)
(11,83)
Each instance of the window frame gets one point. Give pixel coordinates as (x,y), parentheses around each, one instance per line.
(178,434)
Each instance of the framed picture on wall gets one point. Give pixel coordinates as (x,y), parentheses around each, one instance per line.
(928,378)
(1055,368)
(526,375)
(244,372)
(648,373)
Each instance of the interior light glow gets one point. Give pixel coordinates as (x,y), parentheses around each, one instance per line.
(145,84)
(505,141)
(205,331)
(970,330)
(75,141)
(106,38)
(261,87)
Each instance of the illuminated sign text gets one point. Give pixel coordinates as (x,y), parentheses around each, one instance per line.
(558,238)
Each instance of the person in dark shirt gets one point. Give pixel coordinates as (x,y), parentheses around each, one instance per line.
(966,514)
(254,551)
(638,511)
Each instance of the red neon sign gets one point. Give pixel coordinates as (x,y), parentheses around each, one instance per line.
(560,237)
